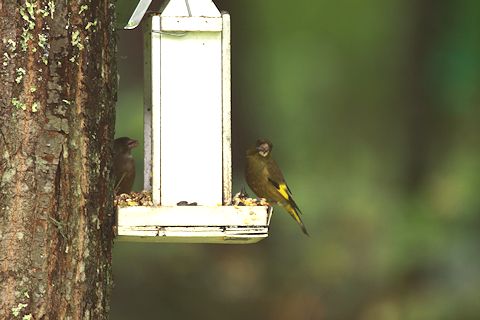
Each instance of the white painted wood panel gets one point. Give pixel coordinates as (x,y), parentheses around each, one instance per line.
(218,235)
(193,216)
(155,64)
(191,118)
(147,106)
(191,24)
(227,110)
(205,8)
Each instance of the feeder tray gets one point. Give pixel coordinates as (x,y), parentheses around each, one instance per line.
(193,224)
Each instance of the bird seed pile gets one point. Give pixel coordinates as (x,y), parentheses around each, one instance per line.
(144,198)
(242,199)
(133,198)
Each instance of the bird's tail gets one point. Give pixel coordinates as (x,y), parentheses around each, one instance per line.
(294,211)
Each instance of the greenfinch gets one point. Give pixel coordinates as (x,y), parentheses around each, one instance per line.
(123,164)
(265,179)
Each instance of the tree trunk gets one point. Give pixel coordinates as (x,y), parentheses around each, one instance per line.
(57,95)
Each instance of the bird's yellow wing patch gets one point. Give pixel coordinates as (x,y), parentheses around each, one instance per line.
(282,188)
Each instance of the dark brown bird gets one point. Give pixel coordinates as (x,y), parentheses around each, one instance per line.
(123,164)
(265,179)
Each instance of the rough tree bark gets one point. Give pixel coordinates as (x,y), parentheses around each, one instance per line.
(57,95)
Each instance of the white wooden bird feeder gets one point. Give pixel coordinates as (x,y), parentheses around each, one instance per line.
(187,132)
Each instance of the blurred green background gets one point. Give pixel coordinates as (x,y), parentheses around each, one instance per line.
(373,108)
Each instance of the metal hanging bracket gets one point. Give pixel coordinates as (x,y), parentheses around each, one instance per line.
(129,16)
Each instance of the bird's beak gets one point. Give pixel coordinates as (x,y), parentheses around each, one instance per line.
(132,143)
(262,148)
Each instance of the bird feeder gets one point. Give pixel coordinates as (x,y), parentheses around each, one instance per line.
(187,131)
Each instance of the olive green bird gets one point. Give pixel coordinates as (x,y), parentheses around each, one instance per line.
(123,164)
(265,179)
